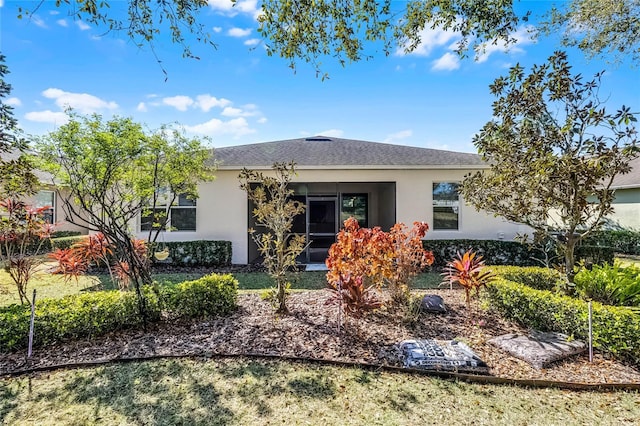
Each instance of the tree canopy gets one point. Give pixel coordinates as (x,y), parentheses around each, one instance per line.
(608,28)
(16,172)
(553,151)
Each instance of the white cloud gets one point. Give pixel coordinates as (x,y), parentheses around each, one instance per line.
(394,137)
(206,102)
(82,25)
(62,22)
(228,7)
(57,118)
(447,62)
(262,120)
(239,32)
(523,36)
(248,110)
(1,3)
(217,29)
(236,127)
(13,102)
(180,102)
(252,42)
(430,39)
(83,102)
(142,107)
(335,133)
(39,22)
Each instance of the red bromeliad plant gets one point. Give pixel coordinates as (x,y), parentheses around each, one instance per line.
(370,257)
(468,270)
(352,296)
(23,231)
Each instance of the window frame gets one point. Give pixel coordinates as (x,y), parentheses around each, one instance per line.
(51,211)
(455,206)
(161,206)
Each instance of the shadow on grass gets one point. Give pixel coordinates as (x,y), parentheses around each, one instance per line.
(145,393)
(8,401)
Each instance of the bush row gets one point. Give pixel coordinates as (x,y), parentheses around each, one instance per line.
(615,329)
(622,241)
(498,252)
(92,314)
(198,253)
(533,276)
(494,252)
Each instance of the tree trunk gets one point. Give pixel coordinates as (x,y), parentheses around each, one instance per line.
(570,262)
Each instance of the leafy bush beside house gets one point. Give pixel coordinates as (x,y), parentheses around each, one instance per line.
(494,252)
(623,241)
(92,314)
(198,253)
(615,329)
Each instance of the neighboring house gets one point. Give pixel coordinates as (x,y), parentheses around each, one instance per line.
(627,202)
(47,196)
(380,184)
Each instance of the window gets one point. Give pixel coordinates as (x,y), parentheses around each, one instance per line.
(46,199)
(357,206)
(181,215)
(446,205)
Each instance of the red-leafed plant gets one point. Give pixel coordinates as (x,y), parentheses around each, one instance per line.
(372,258)
(69,263)
(23,230)
(467,270)
(352,296)
(409,258)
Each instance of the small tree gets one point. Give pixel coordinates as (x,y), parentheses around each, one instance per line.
(275,210)
(23,231)
(16,172)
(553,152)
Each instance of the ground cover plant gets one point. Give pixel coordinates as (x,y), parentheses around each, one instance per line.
(239,391)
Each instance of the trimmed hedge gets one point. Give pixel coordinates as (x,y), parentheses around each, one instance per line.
(207,296)
(622,241)
(75,316)
(533,276)
(498,252)
(199,253)
(494,252)
(615,329)
(92,314)
(66,242)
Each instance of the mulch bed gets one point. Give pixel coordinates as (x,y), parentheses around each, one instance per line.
(311,331)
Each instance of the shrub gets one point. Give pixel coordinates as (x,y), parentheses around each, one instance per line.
(66,242)
(533,276)
(623,241)
(611,285)
(469,271)
(75,316)
(494,252)
(210,295)
(615,329)
(595,255)
(352,296)
(198,253)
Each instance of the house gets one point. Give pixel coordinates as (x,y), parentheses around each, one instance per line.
(627,198)
(379,184)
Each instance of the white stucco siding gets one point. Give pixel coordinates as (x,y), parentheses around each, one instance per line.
(222,207)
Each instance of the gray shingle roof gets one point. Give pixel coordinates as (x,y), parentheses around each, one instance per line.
(330,152)
(631,179)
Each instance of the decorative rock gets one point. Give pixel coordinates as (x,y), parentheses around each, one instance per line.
(449,355)
(538,348)
(433,303)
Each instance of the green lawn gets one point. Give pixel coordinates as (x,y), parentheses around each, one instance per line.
(246,392)
(48,285)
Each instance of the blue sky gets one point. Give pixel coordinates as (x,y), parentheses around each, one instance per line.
(237,94)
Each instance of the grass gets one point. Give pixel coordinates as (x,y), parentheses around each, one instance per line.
(228,392)
(55,286)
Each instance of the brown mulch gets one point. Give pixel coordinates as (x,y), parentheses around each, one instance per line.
(311,331)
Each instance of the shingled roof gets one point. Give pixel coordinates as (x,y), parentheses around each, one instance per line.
(631,179)
(330,152)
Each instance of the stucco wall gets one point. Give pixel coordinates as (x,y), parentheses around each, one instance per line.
(627,208)
(222,210)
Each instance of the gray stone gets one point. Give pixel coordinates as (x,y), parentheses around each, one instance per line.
(433,303)
(538,348)
(449,355)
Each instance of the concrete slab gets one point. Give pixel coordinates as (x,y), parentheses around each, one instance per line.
(539,348)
